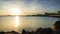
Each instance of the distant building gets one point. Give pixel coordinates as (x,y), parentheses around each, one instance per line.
(59,12)
(49,14)
(52,14)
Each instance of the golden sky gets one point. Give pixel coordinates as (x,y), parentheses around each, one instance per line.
(25,7)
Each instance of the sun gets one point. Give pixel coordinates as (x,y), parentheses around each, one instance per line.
(15,10)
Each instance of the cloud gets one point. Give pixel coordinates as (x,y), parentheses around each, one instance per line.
(32,6)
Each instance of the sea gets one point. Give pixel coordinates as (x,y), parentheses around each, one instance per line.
(18,23)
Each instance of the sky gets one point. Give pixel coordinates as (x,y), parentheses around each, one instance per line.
(28,7)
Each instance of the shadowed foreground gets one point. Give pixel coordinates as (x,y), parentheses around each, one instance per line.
(38,31)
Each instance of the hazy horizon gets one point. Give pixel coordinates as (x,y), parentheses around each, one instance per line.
(28,7)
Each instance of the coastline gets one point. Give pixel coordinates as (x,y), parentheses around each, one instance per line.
(30,16)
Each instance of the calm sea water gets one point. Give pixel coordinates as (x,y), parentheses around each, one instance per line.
(17,23)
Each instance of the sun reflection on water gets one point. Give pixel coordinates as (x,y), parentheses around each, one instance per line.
(16,21)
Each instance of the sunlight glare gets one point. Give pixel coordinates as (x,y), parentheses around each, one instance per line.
(17,21)
(15,11)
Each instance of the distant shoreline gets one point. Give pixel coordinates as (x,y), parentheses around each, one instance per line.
(30,16)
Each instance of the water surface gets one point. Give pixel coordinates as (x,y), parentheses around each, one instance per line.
(18,23)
